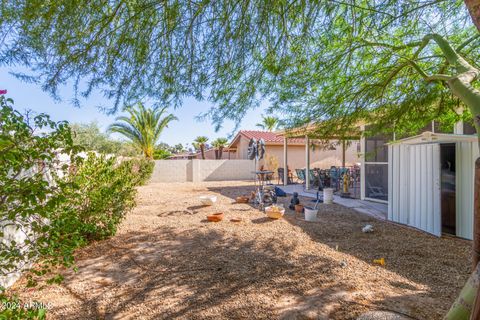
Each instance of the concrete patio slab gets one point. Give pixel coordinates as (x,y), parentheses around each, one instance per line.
(374,209)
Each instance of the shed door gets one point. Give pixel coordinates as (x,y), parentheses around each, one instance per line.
(415,186)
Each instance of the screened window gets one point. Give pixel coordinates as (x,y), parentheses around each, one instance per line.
(376,181)
(376,149)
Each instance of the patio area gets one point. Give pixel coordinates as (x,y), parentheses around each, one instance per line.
(374,209)
(168,262)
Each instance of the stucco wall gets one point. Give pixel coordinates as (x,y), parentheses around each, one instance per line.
(198,170)
(172,171)
(219,170)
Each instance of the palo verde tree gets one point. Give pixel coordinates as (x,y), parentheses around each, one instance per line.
(395,64)
(314,60)
(143,126)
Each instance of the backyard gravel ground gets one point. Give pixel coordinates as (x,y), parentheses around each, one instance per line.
(168,262)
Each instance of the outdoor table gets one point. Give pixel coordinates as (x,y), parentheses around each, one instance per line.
(262,174)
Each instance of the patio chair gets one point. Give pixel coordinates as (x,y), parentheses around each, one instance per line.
(300,175)
(280,172)
(376,192)
(313,177)
(334,177)
(323,179)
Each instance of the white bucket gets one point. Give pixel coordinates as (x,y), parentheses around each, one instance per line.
(328,195)
(310,214)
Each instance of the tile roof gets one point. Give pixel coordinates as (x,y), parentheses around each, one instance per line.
(269,137)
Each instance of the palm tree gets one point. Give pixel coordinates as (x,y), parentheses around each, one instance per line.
(269,123)
(143,126)
(219,144)
(199,143)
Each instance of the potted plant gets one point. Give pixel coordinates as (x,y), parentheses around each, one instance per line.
(299,208)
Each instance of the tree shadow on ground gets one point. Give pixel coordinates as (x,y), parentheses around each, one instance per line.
(201,270)
(440,264)
(163,275)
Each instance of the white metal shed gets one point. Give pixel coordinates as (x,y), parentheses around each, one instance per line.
(431,182)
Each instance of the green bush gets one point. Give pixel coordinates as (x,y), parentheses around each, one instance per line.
(32,192)
(102,192)
(143,169)
(11,308)
(55,205)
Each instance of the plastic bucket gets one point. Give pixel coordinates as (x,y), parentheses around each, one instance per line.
(310,214)
(328,195)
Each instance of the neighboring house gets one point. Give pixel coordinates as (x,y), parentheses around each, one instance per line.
(319,157)
(210,154)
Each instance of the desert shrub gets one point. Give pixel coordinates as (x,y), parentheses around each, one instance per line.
(31,192)
(52,200)
(102,192)
(36,225)
(143,169)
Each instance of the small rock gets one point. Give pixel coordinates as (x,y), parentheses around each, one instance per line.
(343,264)
(367,229)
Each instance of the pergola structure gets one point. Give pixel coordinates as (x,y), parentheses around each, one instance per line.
(310,132)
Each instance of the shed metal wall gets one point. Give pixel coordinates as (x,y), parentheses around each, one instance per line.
(466,154)
(414,186)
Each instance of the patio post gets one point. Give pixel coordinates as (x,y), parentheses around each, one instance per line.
(344,147)
(285,162)
(307,162)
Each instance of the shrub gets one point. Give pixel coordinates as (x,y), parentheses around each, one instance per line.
(31,192)
(102,192)
(143,168)
(11,308)
(52,201)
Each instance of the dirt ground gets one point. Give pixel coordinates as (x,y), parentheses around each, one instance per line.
(168,262)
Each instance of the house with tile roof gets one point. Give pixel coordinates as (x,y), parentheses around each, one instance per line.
(322,157)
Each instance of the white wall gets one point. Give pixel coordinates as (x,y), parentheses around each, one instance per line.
(197,170)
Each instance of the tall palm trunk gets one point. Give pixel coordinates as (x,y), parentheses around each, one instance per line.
(202,151)
(220,152)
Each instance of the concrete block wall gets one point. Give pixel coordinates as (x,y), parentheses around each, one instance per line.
(172,171)
(197,170)
(221,170)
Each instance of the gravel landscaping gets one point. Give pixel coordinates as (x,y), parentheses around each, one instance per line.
(167,261)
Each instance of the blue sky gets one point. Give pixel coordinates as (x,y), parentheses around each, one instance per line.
(30,96)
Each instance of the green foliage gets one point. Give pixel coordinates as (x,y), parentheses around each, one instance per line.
(28,198)
(219,144)
(91,138)
(313,60)
(269,123)
(102,192)
(160,154)
(178,148)
(200,143)
(142,170)
(11,308)
(143,126)
(54,200)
